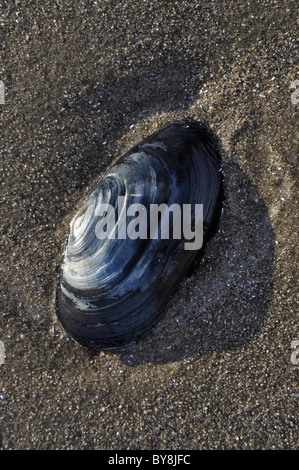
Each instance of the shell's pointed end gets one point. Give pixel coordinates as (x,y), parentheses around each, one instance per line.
(138,235)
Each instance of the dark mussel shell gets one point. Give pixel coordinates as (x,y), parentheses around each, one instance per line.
(111,291)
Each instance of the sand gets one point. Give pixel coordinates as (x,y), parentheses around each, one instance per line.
(85,81)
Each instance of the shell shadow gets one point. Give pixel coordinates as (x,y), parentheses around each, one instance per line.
(224,303)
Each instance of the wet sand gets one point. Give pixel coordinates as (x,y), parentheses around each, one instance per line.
(82,85)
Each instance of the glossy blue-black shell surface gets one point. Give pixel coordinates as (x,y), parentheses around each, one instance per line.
(111,291)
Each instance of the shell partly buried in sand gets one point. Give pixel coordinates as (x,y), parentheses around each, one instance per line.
(113,289)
